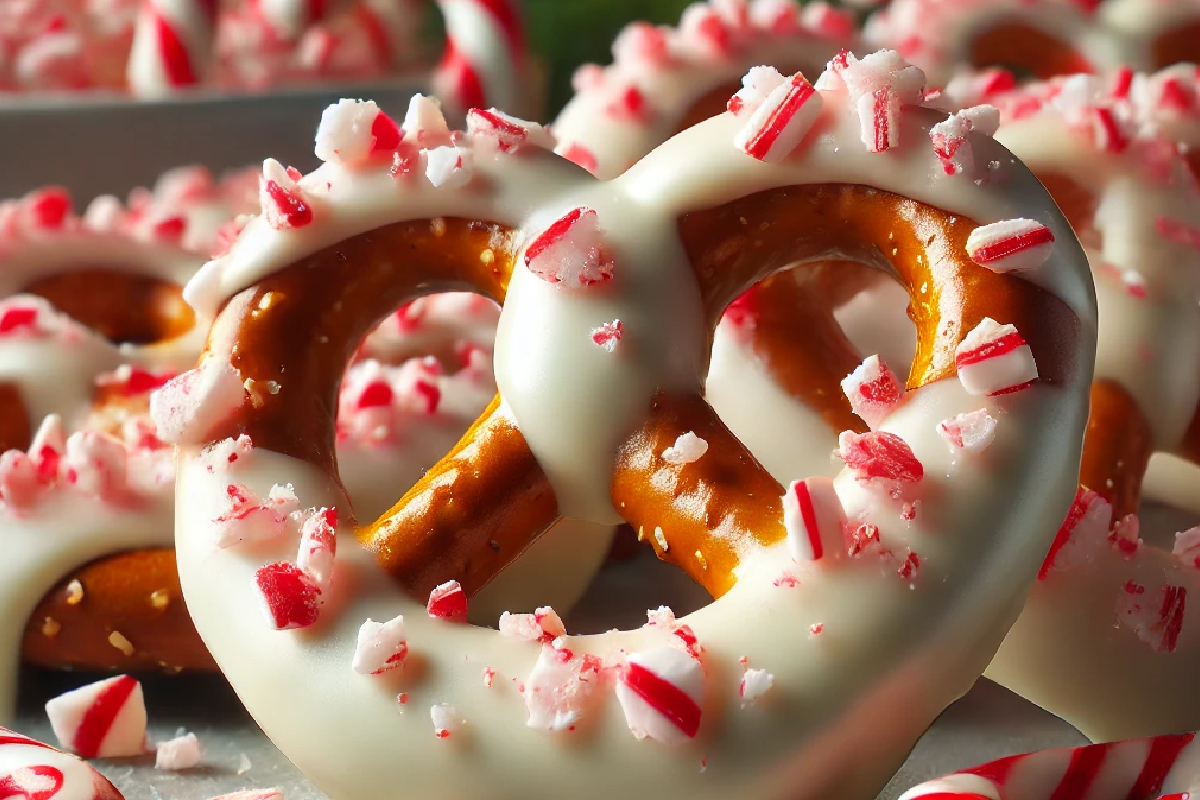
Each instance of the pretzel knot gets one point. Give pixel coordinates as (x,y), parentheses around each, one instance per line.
(611,290)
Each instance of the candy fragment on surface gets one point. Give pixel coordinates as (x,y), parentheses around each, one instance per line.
(660,691)
(1010,245)
(318,545)
(543,625)
(449,167)
(608,335)
(971,431)
(1087,520)
(1125,535)
(284,205)
(182,752)
(687,449)
(424,123)
(446,720)
(381,646)
(95,463)
(290,596)
(755,683)
(951,137)
(506,133)
(1186,549)
(873,391)
(878,85)
(352,131)
(251,519)
(19,484)
(570,250)
(879,455)
(813,516)
(757,85)
(781,121)
(993,359)
(1156,622)
(448,602)
(187,407)
(106,719)
(560,688)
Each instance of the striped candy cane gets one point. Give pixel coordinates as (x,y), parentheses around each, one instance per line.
(1157,768)
(482,66)
(36,771)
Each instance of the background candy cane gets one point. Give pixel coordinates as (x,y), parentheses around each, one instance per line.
(1158,768)
(482,65)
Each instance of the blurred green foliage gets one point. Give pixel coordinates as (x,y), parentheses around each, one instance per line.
(567,33)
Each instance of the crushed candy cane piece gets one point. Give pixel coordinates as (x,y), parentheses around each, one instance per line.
(781,121)
(505,132)
(284,205)
(449,167)
(950,137)
(424,124)
(1187,547)
(660,691)
(993,359)
(880,455)
(95,463)
(1087,520)
(381,647)
(291,597)
(1125,535)
(813,516)
(755,683)
(687,449)
(543,625)
(318,545)
(570,250)
(560,688)
(106,719)
(1157,624)
(971,431)
(448,602)
(608,335)
(757,85)
(1010,245)
(20,488)
(187,407)
(352,131)
(873,391)
(446,721)
(182,752)
(250,519)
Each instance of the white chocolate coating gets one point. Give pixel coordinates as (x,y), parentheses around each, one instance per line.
(886,642)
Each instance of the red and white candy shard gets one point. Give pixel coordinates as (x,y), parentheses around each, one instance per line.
(1087,521)
(570,250)
(1010,245)
(813,516)
(106,719)
(318,545)
(687,449)
(448,601)
(993,359)
(757,85)
(782,120)
(879,455)
(755,683)
(251,519)
(20,488)
(284,204)
(873,391)
(970,432)
(182,752)
(381,647)
(560,688)
(351,132)
(446,720)
(189,406)
(1125,535)
(506,133)
(424,123)
(31,770)
(95,463)
(544,625)
(950,137)
(608,335)
(660,690)
(1187,548)
(878,86)
(290,596)
(1157,623)
(449,167)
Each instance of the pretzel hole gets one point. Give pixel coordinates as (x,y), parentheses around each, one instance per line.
(1024,50)
(621,592)
(123,307)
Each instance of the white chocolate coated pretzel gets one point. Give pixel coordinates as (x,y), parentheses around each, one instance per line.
(878,639)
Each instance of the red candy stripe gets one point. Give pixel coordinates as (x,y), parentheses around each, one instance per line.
(669,700)
(101,714)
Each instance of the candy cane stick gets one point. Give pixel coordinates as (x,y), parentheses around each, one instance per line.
(1158,768)
(482,65)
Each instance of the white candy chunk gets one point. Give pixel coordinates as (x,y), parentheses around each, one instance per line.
(993,359)
(971,432)
(813,516)
(687,449)
(182,752)
(344,135)
(382,646)
(424,124)
(106,719)
(446,721)
(560,688)
(449,167)
(660,691)
(755,683)
(873,391)
(570,250)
